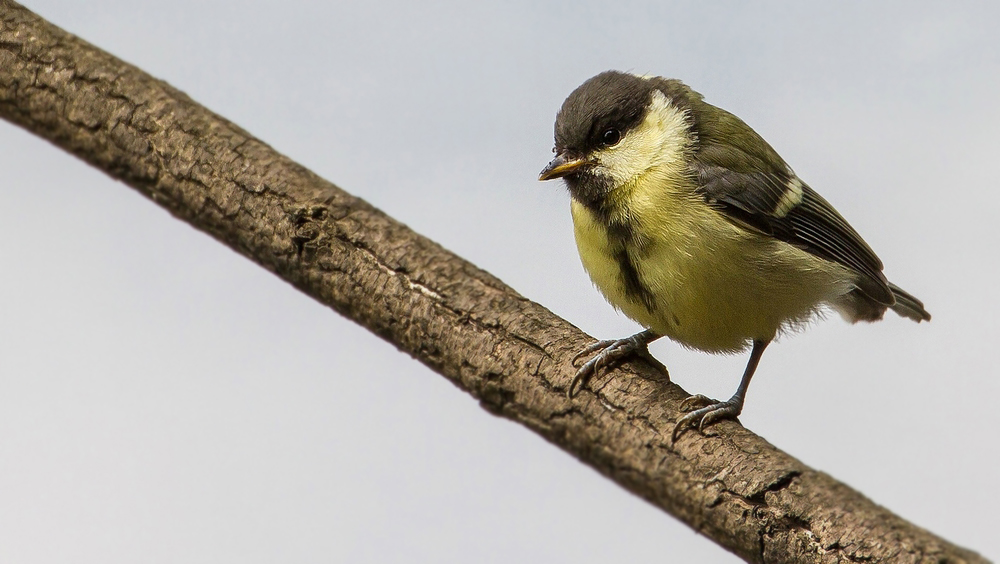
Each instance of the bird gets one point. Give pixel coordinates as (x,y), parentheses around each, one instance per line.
(692,225)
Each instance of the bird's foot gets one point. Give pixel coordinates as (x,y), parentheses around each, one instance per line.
(706,411)
(609,352)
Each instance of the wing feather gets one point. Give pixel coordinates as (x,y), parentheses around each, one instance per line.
(749,183)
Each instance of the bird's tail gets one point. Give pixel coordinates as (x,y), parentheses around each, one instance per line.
(908,306)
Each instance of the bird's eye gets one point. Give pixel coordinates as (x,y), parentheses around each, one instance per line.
(611,137)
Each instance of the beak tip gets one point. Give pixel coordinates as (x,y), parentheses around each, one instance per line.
(560,167)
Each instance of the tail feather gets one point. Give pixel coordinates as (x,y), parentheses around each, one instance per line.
(908,306)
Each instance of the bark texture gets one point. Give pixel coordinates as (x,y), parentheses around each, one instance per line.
(509,353)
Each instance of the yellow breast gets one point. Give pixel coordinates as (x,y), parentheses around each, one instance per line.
(708,284)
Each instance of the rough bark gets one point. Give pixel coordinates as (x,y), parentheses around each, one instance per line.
(509,353)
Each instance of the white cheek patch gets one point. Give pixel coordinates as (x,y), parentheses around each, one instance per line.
(791,198)
(661,140)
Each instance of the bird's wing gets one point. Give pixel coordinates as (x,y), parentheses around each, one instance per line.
(754,188)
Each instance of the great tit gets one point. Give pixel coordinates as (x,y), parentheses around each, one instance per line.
(692,225)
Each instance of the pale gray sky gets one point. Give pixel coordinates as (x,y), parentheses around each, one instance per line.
(162,399)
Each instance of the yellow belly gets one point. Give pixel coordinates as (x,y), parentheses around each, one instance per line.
(713,286)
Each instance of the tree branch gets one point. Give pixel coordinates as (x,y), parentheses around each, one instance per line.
(509,353)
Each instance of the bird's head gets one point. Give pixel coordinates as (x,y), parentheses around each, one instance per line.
(614,128)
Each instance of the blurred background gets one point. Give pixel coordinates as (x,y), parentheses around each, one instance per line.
(163,399)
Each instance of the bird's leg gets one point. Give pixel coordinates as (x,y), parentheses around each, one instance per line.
(709,411)
(611,351)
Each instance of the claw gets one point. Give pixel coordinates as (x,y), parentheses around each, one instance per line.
(593,347)
(706,415)
(696,402)
(609,352)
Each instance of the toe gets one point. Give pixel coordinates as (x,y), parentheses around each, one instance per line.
(586,371)
(683,423)
(696,402)
(705,416)
(718,412)
(607,353)
(592,348)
